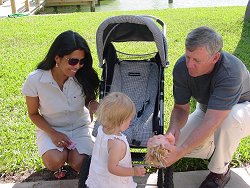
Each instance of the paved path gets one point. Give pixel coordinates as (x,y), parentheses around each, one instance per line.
(5,8)
(240,179)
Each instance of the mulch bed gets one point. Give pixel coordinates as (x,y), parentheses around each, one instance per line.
(32,176)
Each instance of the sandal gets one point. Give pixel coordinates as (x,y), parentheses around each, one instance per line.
(60,173)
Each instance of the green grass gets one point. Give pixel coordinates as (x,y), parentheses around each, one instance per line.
(24,42)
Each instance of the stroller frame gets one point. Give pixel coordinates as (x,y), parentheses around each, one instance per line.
(118,29)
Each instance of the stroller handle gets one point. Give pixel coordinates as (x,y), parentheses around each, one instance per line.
(159,21)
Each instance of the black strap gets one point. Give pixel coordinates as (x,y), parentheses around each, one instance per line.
(139,113)
(110,58)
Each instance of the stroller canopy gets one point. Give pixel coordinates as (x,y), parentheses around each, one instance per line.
(131,28)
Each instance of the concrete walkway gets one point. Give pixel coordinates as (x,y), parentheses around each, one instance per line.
(5,8)
(240,179)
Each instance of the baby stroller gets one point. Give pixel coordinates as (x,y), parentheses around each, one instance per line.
(139,75)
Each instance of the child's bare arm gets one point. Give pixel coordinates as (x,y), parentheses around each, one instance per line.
(117,151)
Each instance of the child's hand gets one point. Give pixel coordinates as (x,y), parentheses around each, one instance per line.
(139,171)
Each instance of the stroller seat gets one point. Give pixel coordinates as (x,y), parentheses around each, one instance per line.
(138,80)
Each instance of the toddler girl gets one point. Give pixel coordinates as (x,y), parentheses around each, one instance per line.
(111,164)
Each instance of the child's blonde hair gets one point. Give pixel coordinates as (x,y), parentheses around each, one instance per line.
(114,109)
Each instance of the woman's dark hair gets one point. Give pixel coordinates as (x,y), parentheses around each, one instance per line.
(86,76)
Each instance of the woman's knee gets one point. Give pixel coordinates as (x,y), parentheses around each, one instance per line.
(76,160)
(76,165)
(54,159)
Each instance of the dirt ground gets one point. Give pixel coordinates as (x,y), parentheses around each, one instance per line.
(31,176)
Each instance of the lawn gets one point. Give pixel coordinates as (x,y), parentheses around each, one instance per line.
(25,41)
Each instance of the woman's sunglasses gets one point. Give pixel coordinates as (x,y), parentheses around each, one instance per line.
(75,61)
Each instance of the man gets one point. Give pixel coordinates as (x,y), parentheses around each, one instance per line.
(220,83)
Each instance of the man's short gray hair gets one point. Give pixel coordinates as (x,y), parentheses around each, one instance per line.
(204,37)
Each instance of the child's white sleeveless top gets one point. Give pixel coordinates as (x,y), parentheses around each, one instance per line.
(99,176)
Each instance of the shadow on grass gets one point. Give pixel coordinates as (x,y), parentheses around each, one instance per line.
(190,164)
(242,51)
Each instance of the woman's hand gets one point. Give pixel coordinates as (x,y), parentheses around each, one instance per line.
(60,139)
(92,106)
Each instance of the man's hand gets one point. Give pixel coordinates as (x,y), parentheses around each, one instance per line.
(173,156)
(175,131)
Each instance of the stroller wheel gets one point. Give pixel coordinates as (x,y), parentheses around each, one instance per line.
(84,172)
(160,178)
(168,177)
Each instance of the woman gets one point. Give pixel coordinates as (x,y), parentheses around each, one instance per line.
(56,95)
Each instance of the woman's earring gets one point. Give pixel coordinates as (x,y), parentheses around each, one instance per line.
(56,65)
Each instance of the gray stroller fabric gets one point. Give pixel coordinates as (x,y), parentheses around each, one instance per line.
(130,28)
(139,80)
